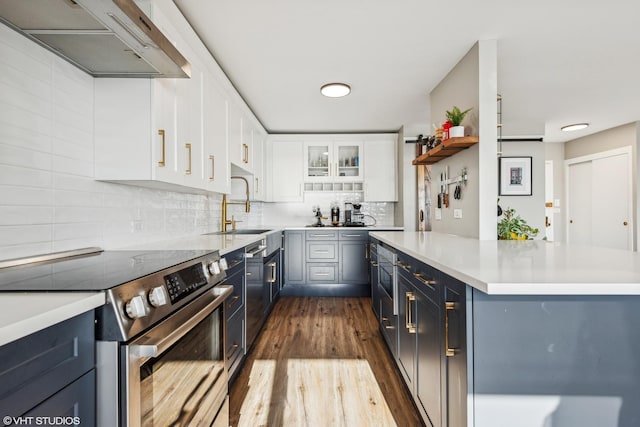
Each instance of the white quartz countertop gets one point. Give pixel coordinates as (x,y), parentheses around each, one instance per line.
(530,267)
(226,243)
(23,313)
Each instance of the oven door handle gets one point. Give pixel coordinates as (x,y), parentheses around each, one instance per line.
(155,349)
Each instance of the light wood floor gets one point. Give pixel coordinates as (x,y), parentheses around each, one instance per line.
(320,362)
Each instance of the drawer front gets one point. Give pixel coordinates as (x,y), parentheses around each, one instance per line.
(235,262)
(235,341)
(322,273)
(235,302)
(353,235)
(77,400)
(37,366)
(322,235)
(388,322)
(425,278)
(322,251)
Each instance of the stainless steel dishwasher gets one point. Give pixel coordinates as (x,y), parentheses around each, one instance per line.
(254,255)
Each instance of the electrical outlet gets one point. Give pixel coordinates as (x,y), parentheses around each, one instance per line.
(438,213)
(457,213)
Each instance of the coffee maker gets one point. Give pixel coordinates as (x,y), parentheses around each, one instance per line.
(357,217)
(348,206)
(335,215)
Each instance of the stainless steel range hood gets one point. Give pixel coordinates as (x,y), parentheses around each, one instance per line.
(105,38)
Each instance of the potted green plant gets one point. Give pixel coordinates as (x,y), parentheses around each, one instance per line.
(455,117)
(514,227)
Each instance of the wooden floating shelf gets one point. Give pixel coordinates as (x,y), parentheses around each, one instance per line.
(448,148)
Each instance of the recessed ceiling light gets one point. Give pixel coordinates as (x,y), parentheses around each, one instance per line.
(577,126)
(335,90)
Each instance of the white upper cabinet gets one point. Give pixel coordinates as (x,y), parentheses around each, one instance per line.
(380,169)
(215,137)
(284,168)
(332,161)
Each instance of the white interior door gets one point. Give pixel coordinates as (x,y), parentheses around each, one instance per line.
(599,197)
(580,201)
(611,209)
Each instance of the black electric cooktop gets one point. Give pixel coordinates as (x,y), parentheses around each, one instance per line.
(93,272)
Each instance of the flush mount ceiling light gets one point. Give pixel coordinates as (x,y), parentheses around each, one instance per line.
(577,126)
(335,90)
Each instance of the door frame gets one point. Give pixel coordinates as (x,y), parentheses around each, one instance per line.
(596,156)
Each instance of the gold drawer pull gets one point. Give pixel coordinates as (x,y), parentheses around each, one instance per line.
(188,147)
(423,280)
(161,162)
(213,167)
(449,306)
(410,325)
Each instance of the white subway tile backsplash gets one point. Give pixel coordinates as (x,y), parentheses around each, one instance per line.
(24,100)
(18,156)
(88,230)
(10,115)
(18,176)
(25,196)
(72,166)
(80,214)
(25,215)
(25,234)
(11,76)
(24,138)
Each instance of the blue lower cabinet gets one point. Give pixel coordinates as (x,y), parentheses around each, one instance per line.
(74,405)
(40,365)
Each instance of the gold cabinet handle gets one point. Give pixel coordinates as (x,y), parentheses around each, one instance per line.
(257,186)
(423,280)
(374,263)
(161,162)
(245,153)
(385,322)
(410,325)
(404,265)
(188,147)
(449,306)
(213,167)
(233,301)
(234,348)
(272,279)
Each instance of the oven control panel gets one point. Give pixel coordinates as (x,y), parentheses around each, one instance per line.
(183,282)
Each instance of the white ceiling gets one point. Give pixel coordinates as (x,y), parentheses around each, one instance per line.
(559,62)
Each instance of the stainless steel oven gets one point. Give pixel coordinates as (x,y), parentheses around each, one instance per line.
(172,371)
(176,373)
(160,356)
(387,271)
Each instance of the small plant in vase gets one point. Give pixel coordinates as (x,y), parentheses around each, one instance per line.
(513,227)
(455,117)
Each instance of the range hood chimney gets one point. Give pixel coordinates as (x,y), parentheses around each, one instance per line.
(105,38)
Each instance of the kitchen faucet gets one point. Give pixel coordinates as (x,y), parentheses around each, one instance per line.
(246,203)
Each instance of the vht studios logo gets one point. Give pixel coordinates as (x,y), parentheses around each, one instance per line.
(41,421)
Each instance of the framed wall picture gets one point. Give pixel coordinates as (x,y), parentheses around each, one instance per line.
(515,176)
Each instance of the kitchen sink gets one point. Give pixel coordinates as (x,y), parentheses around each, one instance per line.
(242,231)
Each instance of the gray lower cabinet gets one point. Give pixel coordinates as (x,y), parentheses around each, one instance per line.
(51,372)
(326,262)
(431,352)
(373,277)
(294,257)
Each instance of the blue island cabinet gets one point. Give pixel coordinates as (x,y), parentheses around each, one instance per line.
(48,378)
(472,359)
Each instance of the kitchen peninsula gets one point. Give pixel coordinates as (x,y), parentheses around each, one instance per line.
(521,327)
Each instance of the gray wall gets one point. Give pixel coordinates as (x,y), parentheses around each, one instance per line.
(406,208)
(472,83)
(460,87)
(531,208)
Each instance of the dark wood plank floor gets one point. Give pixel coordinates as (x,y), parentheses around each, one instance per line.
(319,329)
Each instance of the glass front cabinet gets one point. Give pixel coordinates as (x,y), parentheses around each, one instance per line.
(333,161)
